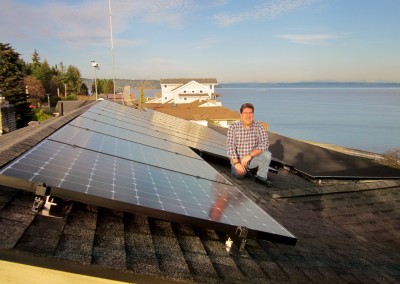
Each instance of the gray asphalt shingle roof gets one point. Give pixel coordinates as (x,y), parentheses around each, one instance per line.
(348,232)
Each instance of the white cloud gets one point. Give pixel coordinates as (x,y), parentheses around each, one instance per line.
(87,22)
(174,13)
(308,38)
(75,25)
(267,10)
(205,43)
(163,12)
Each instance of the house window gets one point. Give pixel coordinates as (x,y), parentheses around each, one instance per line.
(165,86)
(192,92)
(211,87)
(184,99)
(184,92)
(201,91)
(165,98)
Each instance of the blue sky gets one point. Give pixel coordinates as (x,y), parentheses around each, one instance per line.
(232,41)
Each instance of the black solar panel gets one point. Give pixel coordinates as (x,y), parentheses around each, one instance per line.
(321,163)
(163,126)
(132,134)
(130,150)
(118,168)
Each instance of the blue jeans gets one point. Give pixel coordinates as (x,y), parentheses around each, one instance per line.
(261,162)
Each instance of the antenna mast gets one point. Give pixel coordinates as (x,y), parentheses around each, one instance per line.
(112,45)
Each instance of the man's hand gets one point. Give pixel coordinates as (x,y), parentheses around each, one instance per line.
(241,170)
(245,160)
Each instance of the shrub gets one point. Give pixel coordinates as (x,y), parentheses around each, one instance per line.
(41,114)
(70,98)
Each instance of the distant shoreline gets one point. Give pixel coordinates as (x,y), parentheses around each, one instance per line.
(155,84)
(311,85)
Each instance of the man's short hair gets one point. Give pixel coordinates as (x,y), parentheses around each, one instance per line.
(246,105)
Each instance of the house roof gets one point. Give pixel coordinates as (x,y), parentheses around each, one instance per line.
(187,80)
(193,111)
(191,84)
(348,231)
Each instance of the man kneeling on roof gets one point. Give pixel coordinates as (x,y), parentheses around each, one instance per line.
(247,145)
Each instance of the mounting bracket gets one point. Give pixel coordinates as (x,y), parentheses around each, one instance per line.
(47,205)
(240,236)
(238,239)
(42,192)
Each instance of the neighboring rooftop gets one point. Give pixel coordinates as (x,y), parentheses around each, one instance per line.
(196,112)
(186,90)
(347,231)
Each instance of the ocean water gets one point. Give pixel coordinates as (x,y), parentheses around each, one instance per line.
(361,118)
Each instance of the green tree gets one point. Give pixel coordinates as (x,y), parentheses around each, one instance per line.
(108,86)
(84,89)
(35,58)
(44,73)
(12,83)
(100,85)
(59,79)
(73,80)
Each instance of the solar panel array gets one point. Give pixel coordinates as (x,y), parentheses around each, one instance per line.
(121,157)
(162,126)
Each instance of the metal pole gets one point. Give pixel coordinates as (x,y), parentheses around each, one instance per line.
(95,81)
(112,45)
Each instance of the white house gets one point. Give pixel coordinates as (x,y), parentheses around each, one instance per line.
(187,90)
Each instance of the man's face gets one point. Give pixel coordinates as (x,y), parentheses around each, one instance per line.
(247,116)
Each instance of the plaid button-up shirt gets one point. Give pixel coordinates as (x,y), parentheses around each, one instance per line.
(241,140)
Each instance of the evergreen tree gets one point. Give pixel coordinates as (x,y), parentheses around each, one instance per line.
(44,73)
(35,58)
(74,80)
(59,79)
(84,89)
(12,83)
